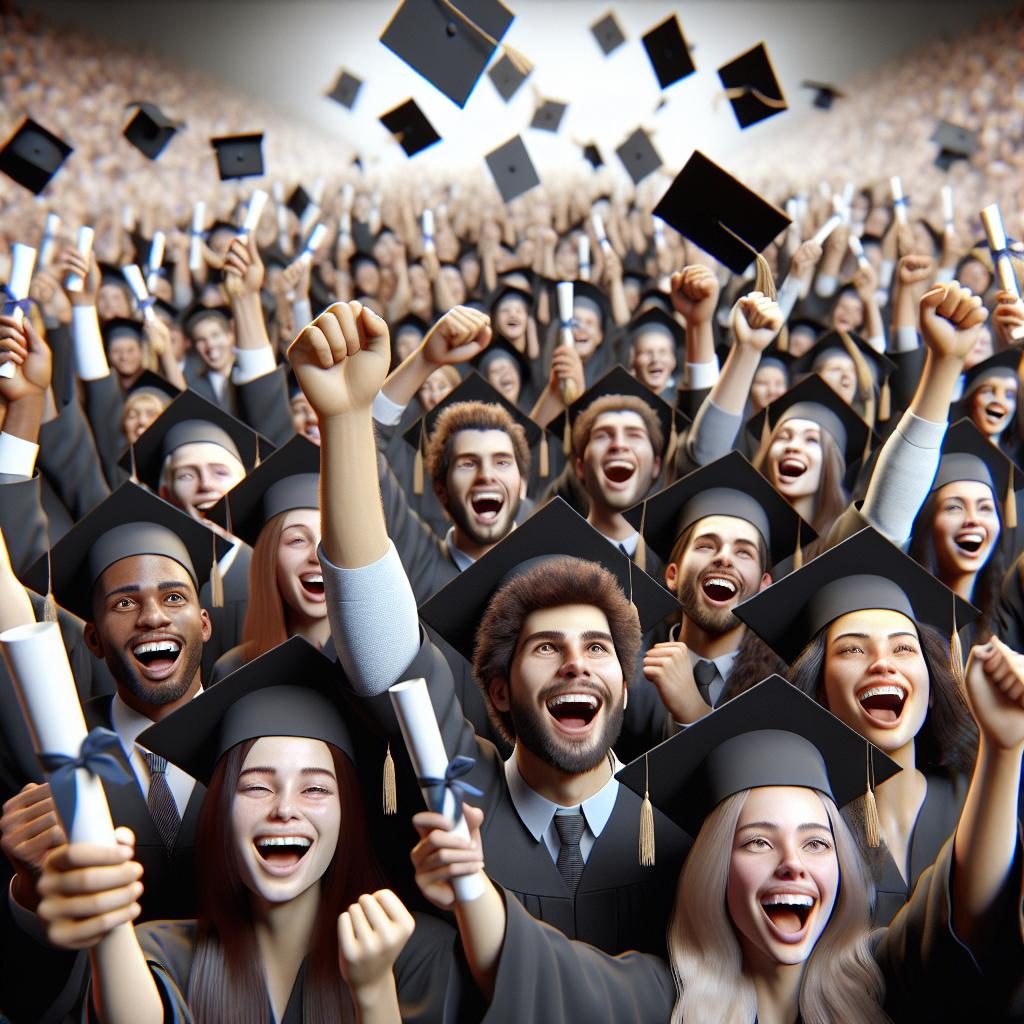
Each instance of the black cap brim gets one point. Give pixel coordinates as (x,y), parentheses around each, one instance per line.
(238,156)
(150,129)
(752,77)
(668,52)
(512,168)
(410,128)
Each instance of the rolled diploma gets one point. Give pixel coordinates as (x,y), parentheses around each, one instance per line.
(253,213)
(309,217)
(49,239)
(23,261)
(38,664)
(195,243)
(826,229)
(345,225)
(137,283)
(348,194)
(155,260)
(313,243)
(564,291)
(993,221)
(858,251)
(848,197)
(583,254)
(900,207)
(659,232)
(947,205)
(422,736)
(84,246)
(427,225)
(602,237)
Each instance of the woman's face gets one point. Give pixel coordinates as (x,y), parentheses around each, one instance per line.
(966,528)
(304,419)
(285,816)
(848,313)
(876,679)
(769,383)
(139,412)
(434,389)
(839,373)
(794,459)
(511,317)
(300,580)
(503,375)
(783,875)
(975,275)
(993,404)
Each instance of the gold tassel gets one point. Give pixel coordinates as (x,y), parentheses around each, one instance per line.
(766,439)
(739,91)
(1010,505)
(782,342)
(417,463)
(798,553)
(49,605)
(216,578)
(865,384)
(518,61)
(640,557)
(956,654)
(131,455)
(544,458)
(764,282)
(673,444)
(567,436)
(390,785)
(872,825)
(884,402)
(646,826)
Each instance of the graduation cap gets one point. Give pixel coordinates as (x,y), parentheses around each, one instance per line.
(863,572)
(824,94)
(507,77)
(345,89)
(608,33)
(655,319)
(299,200)
(720,214)
(771,735)
(449,44)
(287,480)
(592,155)
(668,52)
(131,521)
(805,323)
(729,486)
(152,383)
(121,327)
(812,399)
(410,322)
(512,168)
(410,127)
(292,690)
(751,86)
(1003,365)
(503,291)
(955,143)
(198,312)
(639,156)
(150,129)
(33,155)
(555,530)
(191,419)
(499,349)
(548,116)
(238,156)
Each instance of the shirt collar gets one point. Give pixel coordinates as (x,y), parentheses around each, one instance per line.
(129,723)
(724,662)
(460,558)
(629,543)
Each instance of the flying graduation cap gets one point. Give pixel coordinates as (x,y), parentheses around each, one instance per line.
(410,127)
(668,52)
(639,156)
(608,33)
(955,143)
(150,129)
(751,87)
(548,116)
(239,156)
(593,155)
(345,89)
(824,94)
(507,77)
(513,169)
(33,155)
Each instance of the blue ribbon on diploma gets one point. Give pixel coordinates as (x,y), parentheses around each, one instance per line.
(451,783)
(95,757)
(11,303)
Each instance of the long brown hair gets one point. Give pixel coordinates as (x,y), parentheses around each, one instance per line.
(265,625)
(226,983)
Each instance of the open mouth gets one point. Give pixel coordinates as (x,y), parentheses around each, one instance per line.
(788,911)
(969,541)
(719,589)
(312,434)
(157,657)
(283,852)
(487,505)
(618,472)
(790,468)
(883,704)
(313,583)
(995,413)
(573,711)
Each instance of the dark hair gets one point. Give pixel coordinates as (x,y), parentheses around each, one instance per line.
(616,403)
(226,982)
(948,738)
(683,542)
(557,581)
(461,416)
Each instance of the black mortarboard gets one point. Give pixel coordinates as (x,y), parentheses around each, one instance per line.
(711,208)
(410,127)
(197,312)
(150,129)
(555,530)
(882,368)
(773,356)
(753,90)
(345,89)
(771,735)
(506,77)
(639,156)
(1003,364)
(292,690)
(729,486)
(151,382)
(812,399)
(121,327)
(806,323)
(512,168)
(654,318)
(608,33)
(191,419)
(131,521)
(548,116)
(668,53)
(955,143)
(824,94)
(497,349)
(593,155)
(450,51)
(238,156)
(288,479)
(33,155)
(503,291)
(967,454)
(298,201)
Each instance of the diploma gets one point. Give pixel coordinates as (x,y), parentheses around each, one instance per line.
(659,233)
(899,200)
(564,290)
(137,283)
(826,229)
(947,206)
(253,213)
(345,226)
(427,227)
(38,664)
(348,194)
(858,252)
(83,244)
(195,242)
(23,262)
(155,259)
(49,239)
(993,221)
(313,243)
(583,256)
(309,217)
(602,237)
(437,776)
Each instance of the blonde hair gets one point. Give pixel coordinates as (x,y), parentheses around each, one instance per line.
(841,980)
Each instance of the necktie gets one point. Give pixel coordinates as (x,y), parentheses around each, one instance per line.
(162,808)
(570,860)
(622,548)
(704,673)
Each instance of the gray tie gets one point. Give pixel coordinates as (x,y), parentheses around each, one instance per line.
(704,673)
(570,859)
(162,808)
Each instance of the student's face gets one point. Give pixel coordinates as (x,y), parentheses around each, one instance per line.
(794,459)
(654,360)
(456,286)
(965,526)
(838,371)
(974,275)
(433,389)
(720,567)
(587,333)
(367,278)
(285,817)
(125,356)
(769,383)
(406,343)
(112,301)
(149,628)
(300,580)
(419,282)
(801,341)
(304,419)
(993,405)
(503,375)
(618,465)
(510,318)
(200,474)
(783,875)
(848,313)
(484,486)
(567,693)
(214,342)
(139,412)
(876,679)
(982,348)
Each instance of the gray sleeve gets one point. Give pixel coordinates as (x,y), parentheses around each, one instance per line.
(373,618)
(713,433)
(902,476)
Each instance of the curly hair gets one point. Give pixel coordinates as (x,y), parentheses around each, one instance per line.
(616,403)
(561,580)
(481,416)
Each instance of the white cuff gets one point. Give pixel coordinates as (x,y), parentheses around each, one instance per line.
(944,274)
(701,375)
(906,339)
(17,456)
(825,285)
(386,412)
(885,272)
(877,342)
(251,363)
(922,433)
(87,342)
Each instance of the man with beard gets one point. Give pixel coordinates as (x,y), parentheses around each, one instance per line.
(552,639)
